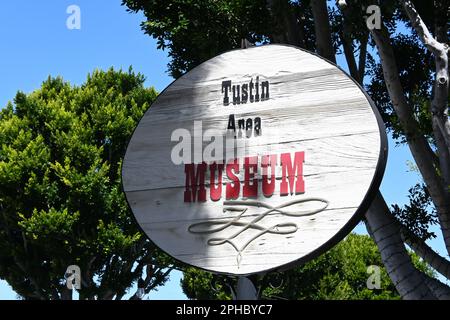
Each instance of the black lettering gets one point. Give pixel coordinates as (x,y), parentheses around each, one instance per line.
(241,124)
(257,126)
(246,92)
(226,86)
(257,89)
(231,123)
(244,96)
(236,94)
(249,127)
(264,90)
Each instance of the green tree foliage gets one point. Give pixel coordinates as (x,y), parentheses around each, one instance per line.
(61,201)
(340,273)
(195,30)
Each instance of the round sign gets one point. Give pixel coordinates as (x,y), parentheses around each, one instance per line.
(256,159)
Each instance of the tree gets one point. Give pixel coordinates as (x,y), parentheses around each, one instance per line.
(341,273)
(61,201)
(403,63)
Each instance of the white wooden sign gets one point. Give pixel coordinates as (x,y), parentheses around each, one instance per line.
(256,159)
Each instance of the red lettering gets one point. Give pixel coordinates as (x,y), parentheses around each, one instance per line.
(286,164)
(195,183)
(215,191)
(292,180)
(250,190)
(268,188)
(232,188)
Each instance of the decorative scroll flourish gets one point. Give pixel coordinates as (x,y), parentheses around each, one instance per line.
(210,227)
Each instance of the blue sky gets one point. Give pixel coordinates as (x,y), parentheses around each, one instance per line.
(35,43)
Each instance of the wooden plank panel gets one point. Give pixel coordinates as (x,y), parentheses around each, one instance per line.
(263,251)
(341,153)
(146,203)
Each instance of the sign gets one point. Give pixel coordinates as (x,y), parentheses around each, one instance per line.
(257,159)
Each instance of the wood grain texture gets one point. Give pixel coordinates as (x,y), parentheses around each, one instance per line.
(313,107)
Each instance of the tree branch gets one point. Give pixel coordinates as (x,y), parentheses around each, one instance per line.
(440,99)
(439,104)
(417,143)
(383,228)
(38,291)
(362,58)
(289,26)
(322,30)
(347,44)
(108,295)
(422,30)
(436,261)
(356,71)
(440,290)
(65,294)
(158,278)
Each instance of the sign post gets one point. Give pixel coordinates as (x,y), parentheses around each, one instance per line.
(256,160)
(246,290)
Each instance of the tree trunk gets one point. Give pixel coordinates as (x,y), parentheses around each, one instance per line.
(66,294)
(440,290)
(324,44)
(284,18)
(417,143)
(435,261)
(381,225)
(439,105)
